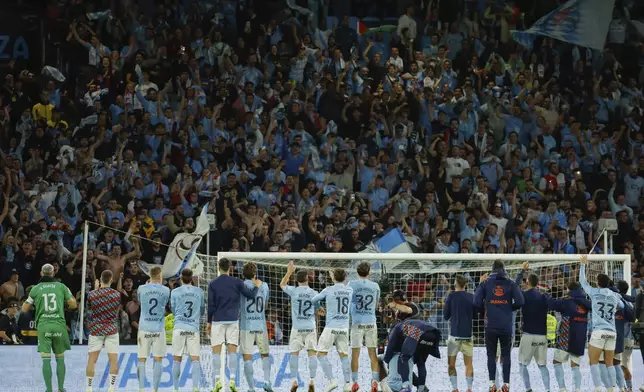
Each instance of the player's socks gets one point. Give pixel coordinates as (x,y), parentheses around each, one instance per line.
(157,371)
(293,363)
(619,377)
(354,376)
(313,366)
(60,372)
(611,376)
(196,374)
(140,372)
(525,375)
(595,373)
(375,376)
(232,365)
(112,382)
(216,365)
(46,372)
(346,369)
(248,373)
(603,373)
(266,366)
(326,368)
(559,375)
(576,376)
(454,381)
(629,383)
(470,382)
(545,377)
(88,382)
(176,373)
(499,375)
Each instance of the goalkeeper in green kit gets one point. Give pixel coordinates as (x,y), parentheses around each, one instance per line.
(49,297)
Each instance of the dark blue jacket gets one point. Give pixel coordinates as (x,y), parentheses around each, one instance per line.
(573,327)
(534,310)
(223,298)
(413,339)
(499,294)
(622,317)
(459,310)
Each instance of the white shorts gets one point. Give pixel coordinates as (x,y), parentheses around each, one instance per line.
(249,339)
(96,343)
(334,336)
(151,343)
(224,333)
(455,346)
(562,356)
(533,346)
(629,344)
(185,343)
(303,339)
(364,335)
(605,340)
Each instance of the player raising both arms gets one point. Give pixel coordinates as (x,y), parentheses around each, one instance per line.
(103,307)
(336,329)
(187,305)
(303,332)
(253,332)
(153,297)
(604,304)
(49,297)
(366,294)
(459,311)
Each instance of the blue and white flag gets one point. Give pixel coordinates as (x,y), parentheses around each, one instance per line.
(579,22)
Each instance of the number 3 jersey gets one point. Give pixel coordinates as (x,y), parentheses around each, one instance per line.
(604,302)
(153,298)
(302,308)
(338,300)
(187,305)
(253,310)
(366,294)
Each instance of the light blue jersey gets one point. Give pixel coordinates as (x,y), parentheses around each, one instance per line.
(394,379)
(365,299)
(187,304)
(153,298)
(253,310)
(605,303)
(302,309)
(338,300)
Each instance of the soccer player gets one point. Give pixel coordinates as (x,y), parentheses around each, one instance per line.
(410,342)
(223,312)
(153,298)
(336,329)
(570,343)
(629,342)
(459,311)
(500,295)
(187,306)
(622,320)
(49,297)
(252,325)
(103,307)
(534,342)
(303,332)
(604,304)
(364,330)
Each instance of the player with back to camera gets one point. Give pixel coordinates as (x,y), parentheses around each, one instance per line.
(187,305)
(153,297)
(623,318)
(459,310)
(50,297)
(604,305)
(534,341)
(103,307)
(336,329)
(223,312)
(303,332)
(499,294)
(366,294)
(629,342)
(253,332)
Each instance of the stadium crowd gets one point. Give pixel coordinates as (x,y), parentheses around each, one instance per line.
(312,132)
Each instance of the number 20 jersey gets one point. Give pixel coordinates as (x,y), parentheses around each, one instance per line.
(253,310)
(302,308)
(366,294)
(187,305)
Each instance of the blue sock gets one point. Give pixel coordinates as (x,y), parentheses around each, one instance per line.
(266,366)
(454,381)
(375,376)
(499,375)
(326,367)
(313,366)
(293,366)
(603,373)
(470,382)
(545,377)
(629,383)
(346,369)
(619,376)
(354,376)
(196,374)
(216,367)
(595,373)
(176,373)
(156,375)
(559,375)
(140,371)
(232,366)
(248,372)
(610,375)
(576,377)
(525,375)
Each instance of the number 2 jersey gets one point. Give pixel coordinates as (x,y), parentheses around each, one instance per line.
(366,294)
(253,310)
(153,298)
(49,299)
(187,305)
(604,302)
(302,308)
(338,300)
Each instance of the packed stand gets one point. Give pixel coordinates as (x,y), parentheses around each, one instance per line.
(309,133)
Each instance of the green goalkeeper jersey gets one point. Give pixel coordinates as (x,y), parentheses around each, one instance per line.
(49,298)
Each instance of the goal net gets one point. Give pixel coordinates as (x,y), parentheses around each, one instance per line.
(425,278)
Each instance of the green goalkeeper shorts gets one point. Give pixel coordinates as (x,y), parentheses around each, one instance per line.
(53,338)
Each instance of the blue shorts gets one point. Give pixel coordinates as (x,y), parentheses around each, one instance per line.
(394,380)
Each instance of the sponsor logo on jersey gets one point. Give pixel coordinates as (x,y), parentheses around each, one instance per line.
(499,291)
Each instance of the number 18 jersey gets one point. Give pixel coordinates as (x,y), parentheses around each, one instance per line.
(338,299)
(253,310)
(366,294)
(302,308)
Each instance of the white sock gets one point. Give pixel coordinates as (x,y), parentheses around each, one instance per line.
(113,380)
(89,381)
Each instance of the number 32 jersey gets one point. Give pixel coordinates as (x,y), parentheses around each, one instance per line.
(187,305)
(604,302)
(338,300)
(253,310)
(153,298)
(302,308)
(366,294)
